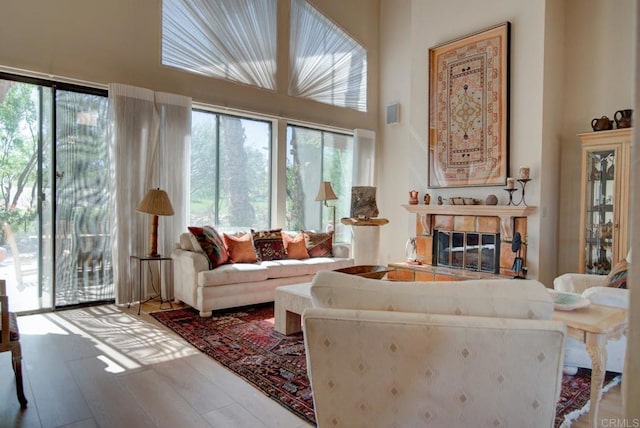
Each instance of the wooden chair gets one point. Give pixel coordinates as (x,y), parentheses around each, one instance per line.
(10,341)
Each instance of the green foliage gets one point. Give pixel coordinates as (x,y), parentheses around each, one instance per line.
(230,178)
(18,141)
(204,167)
(15,217)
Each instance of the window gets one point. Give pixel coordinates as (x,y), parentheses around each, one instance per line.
(314,156)
(327,65)
(228,39)
(230,171)
(237,41)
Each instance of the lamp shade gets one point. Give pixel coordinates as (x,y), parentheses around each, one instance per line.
(156,202)
(325,193)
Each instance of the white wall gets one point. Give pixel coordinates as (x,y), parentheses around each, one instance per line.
(552,119)
(631,388)
(570,61)
(598,81)
(408,30)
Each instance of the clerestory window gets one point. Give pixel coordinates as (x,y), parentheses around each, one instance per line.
(228,39)
(327,65)
(237,41)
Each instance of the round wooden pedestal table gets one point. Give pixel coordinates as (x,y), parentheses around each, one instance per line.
(365,239)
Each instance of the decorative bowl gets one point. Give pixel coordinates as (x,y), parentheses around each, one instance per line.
(366,271)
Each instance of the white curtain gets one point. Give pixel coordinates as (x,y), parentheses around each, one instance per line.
(228,39)
(327,65)
(364,157)
(175,145)
(148,147)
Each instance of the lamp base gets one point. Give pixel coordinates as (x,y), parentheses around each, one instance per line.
(153,241)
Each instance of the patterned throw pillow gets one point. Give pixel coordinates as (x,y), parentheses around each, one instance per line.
(319,244)
(268,244)
(211,244)
(618,276)
(240,248)
(296,247)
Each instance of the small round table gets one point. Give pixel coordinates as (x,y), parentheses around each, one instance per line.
(366,239)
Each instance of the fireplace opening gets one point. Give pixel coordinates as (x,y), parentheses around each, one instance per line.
(467,250)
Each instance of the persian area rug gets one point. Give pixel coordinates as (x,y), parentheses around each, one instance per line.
(244,341)
(574,396)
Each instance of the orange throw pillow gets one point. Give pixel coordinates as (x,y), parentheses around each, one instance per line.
(296,247)
(240,248)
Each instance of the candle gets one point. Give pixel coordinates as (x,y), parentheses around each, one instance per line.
(524,173)
(511,183)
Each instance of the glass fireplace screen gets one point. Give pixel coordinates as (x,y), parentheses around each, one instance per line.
(467,250)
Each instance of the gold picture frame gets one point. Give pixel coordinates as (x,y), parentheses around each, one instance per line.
(469,110)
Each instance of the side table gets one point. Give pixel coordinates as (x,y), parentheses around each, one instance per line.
(137,263)
(594,325)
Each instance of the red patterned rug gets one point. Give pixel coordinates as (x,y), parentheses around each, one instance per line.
(574,396)
(244,341)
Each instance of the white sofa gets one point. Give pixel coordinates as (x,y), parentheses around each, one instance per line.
(238,284)
(474,353)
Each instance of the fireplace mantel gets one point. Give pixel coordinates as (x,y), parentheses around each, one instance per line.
(475,210)
(506,214)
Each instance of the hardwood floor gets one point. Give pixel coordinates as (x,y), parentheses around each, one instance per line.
(104,366)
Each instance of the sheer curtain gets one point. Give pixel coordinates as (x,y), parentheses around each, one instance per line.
(327,65)
(148,147)
(364,157)
(175,149)
(229,39)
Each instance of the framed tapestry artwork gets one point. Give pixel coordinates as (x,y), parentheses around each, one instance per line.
(469,110)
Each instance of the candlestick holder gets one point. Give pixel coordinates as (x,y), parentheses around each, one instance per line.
(511,196)
(523,183)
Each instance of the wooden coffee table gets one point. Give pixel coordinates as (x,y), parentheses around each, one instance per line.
(290,302)
(594,325)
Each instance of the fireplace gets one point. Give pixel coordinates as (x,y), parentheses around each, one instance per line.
(473,251)
(466,241)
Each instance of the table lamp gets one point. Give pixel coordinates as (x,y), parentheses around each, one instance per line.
(156,202)
(325,193)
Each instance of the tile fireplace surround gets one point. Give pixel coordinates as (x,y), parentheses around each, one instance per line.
(486,219)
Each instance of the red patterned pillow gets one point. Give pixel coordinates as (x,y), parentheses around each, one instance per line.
(296,247)
(319,244)
(617,278)
(240,248)
(211,244)
(268,244)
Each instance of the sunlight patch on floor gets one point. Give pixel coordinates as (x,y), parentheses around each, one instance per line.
(124,341)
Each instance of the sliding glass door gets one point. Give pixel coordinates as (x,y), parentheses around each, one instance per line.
(54,210)
(82,246)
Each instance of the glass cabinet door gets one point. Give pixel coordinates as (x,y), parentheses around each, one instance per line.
(600,211)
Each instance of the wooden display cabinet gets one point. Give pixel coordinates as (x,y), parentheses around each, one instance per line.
(605,193)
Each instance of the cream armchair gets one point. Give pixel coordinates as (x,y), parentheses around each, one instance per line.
(475,353)
(594,288)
